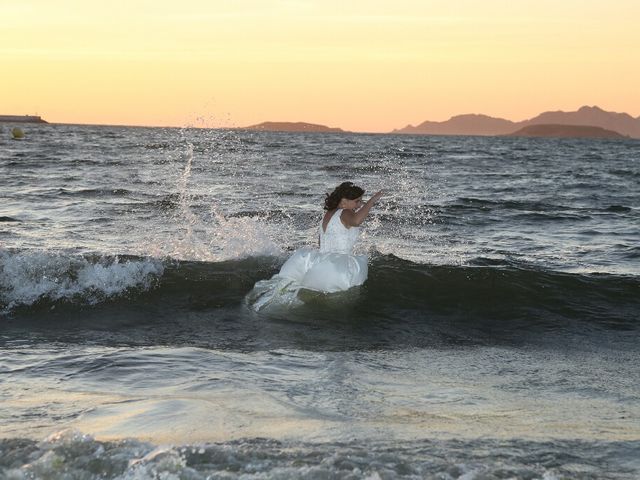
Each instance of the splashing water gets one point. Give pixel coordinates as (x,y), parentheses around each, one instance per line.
(229,202)
(209,235)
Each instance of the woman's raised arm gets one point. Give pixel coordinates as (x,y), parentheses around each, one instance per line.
(354,219)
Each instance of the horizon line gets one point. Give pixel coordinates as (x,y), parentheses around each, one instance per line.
(133,125)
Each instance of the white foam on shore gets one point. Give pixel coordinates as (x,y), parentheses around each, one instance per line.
(27,277)
(72,455)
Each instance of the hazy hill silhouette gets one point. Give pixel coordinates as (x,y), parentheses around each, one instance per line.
(470,124)
(622,123)
(291,127)
(565,131)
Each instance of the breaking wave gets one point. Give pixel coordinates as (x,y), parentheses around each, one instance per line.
(27,278)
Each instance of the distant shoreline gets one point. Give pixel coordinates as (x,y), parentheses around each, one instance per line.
(587,122)
(21,119)
(598,136)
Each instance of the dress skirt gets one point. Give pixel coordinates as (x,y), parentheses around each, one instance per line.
(325,272)
(310,269)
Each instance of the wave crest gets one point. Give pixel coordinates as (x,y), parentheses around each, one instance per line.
(29,277)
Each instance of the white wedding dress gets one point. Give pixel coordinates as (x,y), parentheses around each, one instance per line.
(332,268)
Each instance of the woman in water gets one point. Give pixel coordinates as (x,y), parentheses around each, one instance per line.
(333,267)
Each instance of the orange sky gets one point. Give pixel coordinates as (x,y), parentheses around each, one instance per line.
(359,65)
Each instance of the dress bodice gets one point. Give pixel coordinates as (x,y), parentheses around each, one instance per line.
(338,238)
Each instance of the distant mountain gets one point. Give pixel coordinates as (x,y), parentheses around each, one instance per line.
(622,123)
(591,116)
(470,124)
(565,131)
(291,127)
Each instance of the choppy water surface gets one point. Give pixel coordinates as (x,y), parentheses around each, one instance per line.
(496,337)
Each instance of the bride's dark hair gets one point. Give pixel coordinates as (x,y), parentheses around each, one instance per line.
(345,190)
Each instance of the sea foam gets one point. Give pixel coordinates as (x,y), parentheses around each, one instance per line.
(28,277)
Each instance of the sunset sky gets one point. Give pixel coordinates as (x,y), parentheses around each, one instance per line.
(359,65)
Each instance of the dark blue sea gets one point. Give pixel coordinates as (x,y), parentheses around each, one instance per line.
(497,336)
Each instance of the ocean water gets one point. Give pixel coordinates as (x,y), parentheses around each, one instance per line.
(496,337)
